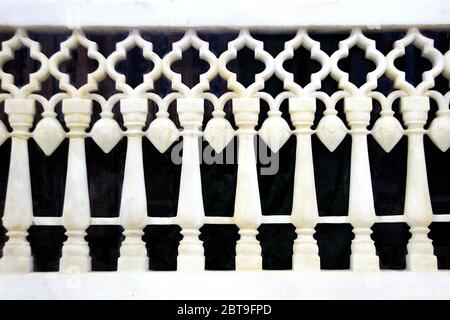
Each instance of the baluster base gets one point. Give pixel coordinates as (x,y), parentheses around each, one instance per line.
(10,264)
(305,251)
(421,262)
(364,263)
(302,262)
(133,264)
(16,254)
(248,251)
(248,263)
(420,255)
(75,253)
(190,263)
(74,264)
(363,250)
(191,255)
(133,252)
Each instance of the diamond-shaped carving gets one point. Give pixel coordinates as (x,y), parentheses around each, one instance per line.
(49,134)
(275,132)
(162,132)
(218,133)
(106,133)
(439,132)
(3,133)
(387,131)
(331,131)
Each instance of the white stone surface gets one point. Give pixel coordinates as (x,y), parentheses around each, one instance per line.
(161,285)
(232,13)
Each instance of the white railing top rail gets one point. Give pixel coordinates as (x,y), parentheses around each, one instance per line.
(204,14)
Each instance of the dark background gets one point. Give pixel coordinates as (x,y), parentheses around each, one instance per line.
(332,170)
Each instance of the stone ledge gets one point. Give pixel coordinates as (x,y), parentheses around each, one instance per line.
(166,285)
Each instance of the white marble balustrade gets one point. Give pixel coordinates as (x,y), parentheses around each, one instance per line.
(77,109)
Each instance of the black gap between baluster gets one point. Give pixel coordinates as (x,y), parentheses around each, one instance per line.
(219,177)
(388,172)
(105,178)
(332,176)
(276,177)
(277,242)
(46,247)
(334,241)
(219,242)
(162,246)
(48,179)
(162,178)
(104,244)
(438,172)
(440,234)
(5,152)
(390,242)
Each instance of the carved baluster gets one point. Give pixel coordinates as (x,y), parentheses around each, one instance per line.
(418,211)
(134,108)
(77,110)
(357,108)
(76,216)
(414,108)
(20,108)
(190,212)
(18,214)
(247,206)
(133,206)
(304,206)
(361,210)
(302,109)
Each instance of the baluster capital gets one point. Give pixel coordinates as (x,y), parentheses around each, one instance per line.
(77,114)
(302,110)
(246,111)
(134,111)
(415,111)
(20,114)
(357,111)
(190,112)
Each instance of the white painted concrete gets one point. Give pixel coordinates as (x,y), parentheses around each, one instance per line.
(225,14)
(228,285)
